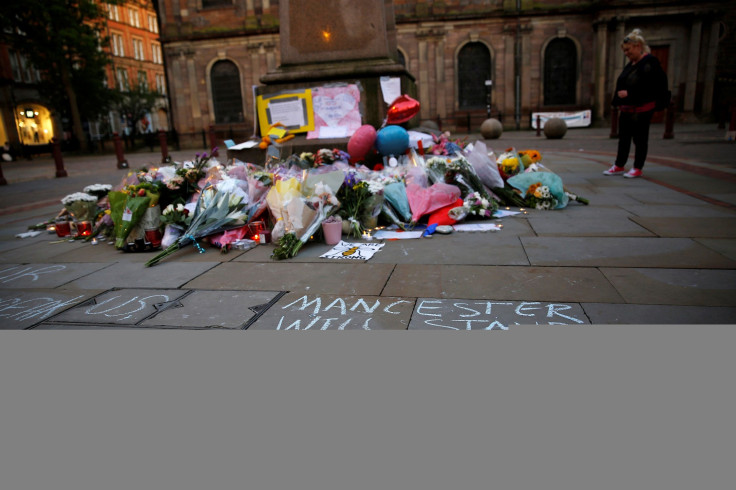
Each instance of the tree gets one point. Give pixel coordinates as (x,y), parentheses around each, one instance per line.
(63,40)
(135,102)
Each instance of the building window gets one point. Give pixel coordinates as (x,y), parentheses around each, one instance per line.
(160,84)
(474,68)
(156,53)
(560,72)
(135,21)
(113,12)
(15,66)
(226,94)
(142,80)
(122,79)
(152,24)
(138,49)
(402,60)
(116,42)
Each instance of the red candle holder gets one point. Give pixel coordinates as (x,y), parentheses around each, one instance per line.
(63,229)
(84,228)
(154,236)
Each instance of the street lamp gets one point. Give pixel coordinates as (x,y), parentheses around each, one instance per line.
(489,84)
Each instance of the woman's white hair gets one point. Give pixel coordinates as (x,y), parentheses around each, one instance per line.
(635,37)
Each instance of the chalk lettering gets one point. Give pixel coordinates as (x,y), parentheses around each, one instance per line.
(554,309)
(432,321)
(489,305)
(460,305)
(123,314)
(366,308)
(305,303)
(339,302)
(327,322)
(525,306)
(422,306)
(28,272)
(32,308)
(388,308)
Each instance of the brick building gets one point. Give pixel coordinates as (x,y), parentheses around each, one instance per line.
(520,55)
(136,58)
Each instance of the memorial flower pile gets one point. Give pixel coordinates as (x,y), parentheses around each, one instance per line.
(201,201)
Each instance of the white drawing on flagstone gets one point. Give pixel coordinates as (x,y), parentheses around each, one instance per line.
(491,315)
(339,313)
(18,272)
(122,310)
(20,309)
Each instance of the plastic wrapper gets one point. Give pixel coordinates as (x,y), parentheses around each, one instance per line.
(423,201)
(485,168)
(553,181)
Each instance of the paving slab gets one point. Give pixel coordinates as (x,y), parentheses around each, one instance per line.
(328,312)
(121,307)
(502,283)
(678,211)
(213,309)
(78,326)
(587,227)
(663,195)
(47,275)
(696,287)
(481,248)
(324,277)
(625,314)
(729,198)
(39,249)
(23,308)
(724,246)
(126,275)
(623,252)
(473,314)
(689,227)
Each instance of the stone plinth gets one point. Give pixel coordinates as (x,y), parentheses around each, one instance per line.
(339,41)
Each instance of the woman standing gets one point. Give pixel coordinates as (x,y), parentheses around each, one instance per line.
(640,90)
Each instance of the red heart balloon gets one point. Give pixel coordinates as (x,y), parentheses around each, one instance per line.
(402,109)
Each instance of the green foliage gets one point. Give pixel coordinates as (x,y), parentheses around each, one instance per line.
(136,102)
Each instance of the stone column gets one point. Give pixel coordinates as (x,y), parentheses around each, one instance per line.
(602,98)
(509,84)
(710,67)
(440,77)
(693,55)
(194,99)
(422,78)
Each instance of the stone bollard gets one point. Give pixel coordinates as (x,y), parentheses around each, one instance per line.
(669,122)
(58,160)
(164,146)
(2,177)
(213,141)
(122,162)
(555,128)
(539,125)
(491,129)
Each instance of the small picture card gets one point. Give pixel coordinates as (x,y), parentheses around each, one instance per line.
(353,251)
(127,214)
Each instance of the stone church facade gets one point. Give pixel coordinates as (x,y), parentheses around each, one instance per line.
(469,57)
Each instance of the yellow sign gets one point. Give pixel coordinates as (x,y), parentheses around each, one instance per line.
(292,109)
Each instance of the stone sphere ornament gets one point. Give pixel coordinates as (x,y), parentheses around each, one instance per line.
(392,140)
(555,128)
(491,129)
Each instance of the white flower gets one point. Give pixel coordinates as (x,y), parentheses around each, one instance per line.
(484,202)
(168,209)
(78,196)
(188,165)
(179,207)
(98,188)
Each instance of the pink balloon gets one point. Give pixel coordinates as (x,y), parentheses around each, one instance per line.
(361,142)
(402,109)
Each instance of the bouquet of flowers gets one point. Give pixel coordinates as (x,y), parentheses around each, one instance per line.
(479,206)
(98,190)
(215,211)
(458,171)
(81,206)
(509,163)
(175,215)
(539,197)
(353,196)
(320,206)
(443,145)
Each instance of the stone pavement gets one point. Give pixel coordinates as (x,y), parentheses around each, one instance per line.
(656,250)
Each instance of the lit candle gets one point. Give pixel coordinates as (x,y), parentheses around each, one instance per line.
(94,241)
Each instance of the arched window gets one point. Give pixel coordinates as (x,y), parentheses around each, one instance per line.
(402,60)
(474,68)
(226,95)
(560,72)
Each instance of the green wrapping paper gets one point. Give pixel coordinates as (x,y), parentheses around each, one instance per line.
(126,212)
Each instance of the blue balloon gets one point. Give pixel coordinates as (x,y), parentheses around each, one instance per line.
(392,140)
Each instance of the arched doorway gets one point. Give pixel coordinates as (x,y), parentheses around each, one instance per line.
(473,69)
(34,124)
(227,98)
(560,72)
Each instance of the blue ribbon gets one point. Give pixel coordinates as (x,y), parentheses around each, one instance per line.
(194,240)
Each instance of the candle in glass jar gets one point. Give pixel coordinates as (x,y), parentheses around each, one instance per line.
(63,229)
(84,228)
